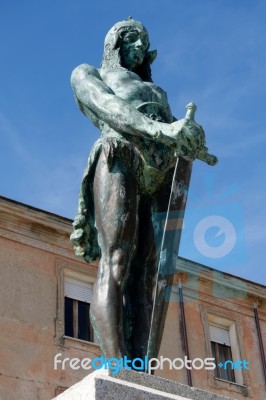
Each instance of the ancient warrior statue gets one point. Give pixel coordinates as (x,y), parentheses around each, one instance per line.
(126,183)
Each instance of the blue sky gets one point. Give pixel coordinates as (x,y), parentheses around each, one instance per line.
(211,52)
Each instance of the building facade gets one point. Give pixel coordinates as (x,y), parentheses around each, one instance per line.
(44,314)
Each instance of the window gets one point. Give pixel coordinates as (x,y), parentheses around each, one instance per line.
(78,297)
(224,346)
(221,351)
(230,326)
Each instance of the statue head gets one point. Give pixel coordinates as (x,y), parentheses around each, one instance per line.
(126,45)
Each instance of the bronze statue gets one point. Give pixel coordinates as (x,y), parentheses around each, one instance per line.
(127,182)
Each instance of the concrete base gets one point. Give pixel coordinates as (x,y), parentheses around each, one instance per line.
(127,385)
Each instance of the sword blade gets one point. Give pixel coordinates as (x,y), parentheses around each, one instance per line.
(169,252)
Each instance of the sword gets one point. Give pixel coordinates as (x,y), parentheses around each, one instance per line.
(171,239)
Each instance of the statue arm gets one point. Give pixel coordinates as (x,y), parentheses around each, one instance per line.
(97,99)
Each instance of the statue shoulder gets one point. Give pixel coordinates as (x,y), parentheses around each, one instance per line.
(83,71)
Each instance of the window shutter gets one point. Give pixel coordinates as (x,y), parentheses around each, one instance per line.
(219,335)
(78,290)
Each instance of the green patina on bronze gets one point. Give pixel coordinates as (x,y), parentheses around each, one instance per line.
(127,182)
(154,158)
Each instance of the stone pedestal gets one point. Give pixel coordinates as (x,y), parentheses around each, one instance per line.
(127,385)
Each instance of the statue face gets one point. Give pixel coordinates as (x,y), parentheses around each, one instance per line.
(134,48)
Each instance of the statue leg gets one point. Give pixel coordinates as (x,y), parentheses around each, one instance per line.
(138,291)
(116,203)
(140,287)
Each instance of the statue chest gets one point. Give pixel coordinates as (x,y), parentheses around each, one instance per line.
(130,87)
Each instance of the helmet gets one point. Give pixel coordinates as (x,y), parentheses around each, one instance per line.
(113,35)
(112,44)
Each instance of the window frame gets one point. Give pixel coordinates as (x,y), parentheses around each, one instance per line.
(78,287)
(78,271)
(232,321)
(222,351)
(230,326)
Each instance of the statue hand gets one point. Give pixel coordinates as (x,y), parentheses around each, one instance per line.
(187,136)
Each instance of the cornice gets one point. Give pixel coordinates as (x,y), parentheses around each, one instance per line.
(202,278)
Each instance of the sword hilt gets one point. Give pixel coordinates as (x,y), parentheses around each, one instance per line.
(203,154)
(191,109)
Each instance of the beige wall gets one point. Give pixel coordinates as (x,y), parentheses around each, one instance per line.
(32,248)
(35,250)
(236,305)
